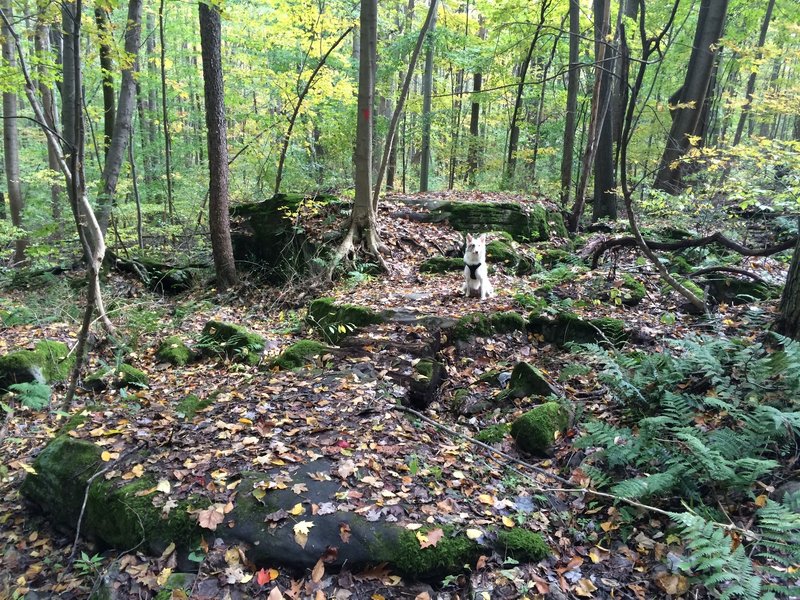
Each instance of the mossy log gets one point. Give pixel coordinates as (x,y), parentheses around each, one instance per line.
(174,351)
(159,277)
(298,354)
(568,327)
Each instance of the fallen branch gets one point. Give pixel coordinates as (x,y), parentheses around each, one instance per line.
(721,269)
(714,238)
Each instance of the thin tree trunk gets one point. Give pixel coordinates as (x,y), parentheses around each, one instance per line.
(11,143)
(540,107)
(427,91)
(136,198)
(789,311)
(605,197)
(571,118)
(124,118)
(751,81)
(42,47)
(287,136)
(430,19)
(107,72)
(165,112)
(218,220)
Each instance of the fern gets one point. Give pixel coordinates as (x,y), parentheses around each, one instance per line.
(33,395)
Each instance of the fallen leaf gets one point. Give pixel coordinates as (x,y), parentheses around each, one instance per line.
(301,530)
(264,576)
(474,534)
(508,522)
(164,486)
(431,538)
(275,594)
(672,584)
(211,517)
(585,588)
(344,532)
(297,509)
(318,571)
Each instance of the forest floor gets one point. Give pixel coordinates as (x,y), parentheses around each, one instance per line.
(344,408)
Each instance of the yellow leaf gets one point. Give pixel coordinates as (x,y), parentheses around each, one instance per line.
(508,522)
(105,456)
(259,493)
(164,486)
(473,534)
(163,576)
(137,470)
(585,588)
(761,501)
(297,509)
(597,555)
(486,499)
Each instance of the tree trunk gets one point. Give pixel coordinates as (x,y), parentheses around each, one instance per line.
(427,91)
(107,72)
(571,119)
(42,48)
(605,198)
(11,143)
(165,113)
(540,108)
(115,154)
(473,152)
(789,317)
(751,81)
(710,25)
(401,102)
(218,220)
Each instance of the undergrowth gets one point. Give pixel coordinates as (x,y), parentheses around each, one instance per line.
(709,423)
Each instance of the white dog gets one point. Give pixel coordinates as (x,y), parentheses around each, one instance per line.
(476,277)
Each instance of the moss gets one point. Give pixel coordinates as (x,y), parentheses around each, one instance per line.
(471,325)
(174,351)
(502,253)
(335,321)
(424,369)
(459,399)
(524,224)
(557,226)
(679,264)
(505,322)
(128,375)
(189,406)
(451,553)
(298,354)
(568,327)
(534,431)
(527,380)
(75,421)
(493,433)
(554,256)
(232,341)
(99,380)
(634,290)
(441,264)
(49,361)
(522,545)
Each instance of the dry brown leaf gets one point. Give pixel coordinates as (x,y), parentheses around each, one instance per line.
(318,571)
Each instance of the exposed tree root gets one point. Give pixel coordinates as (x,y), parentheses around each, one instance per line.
(361,238)
(718,238)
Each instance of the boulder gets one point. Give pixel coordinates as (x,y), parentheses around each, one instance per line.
(231,341)
(298,354)
(480,324)
(568,327)
(524,223)
(725,289)
(535,430)
(336,321)
(526,380)
(174,351)
(49,361)
(441,264)
(268,235)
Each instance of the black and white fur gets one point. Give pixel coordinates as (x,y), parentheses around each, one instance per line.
(476,277)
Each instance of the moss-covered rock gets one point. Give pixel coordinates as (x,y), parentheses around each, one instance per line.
(493,433)
(190,405)
(128,375)
(568,328)
(426,379)
(499,252)
(99,380)
(231,341)
(298,354)
(450,554)
(535,430)
(118,514)
(480,324)
(734,290)
(633,290)
(174,351)
(336,321)
(269,236)
(524,223)
(441,264)
(527,380)
(49,361)
(522,545)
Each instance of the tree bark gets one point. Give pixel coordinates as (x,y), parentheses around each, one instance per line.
(710,25)
(605,197)
(427,91)
(42,48)
(218,219)
(115,154)
(789,311)
(11,143)
(165,112)
(751,81)
(571,117)
(107,72)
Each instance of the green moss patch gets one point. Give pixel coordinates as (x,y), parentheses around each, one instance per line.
(450,555)
(535,430)
(522,545)
(131,376)
(527,380)
(49,361)
(523,223)
(231,341)
(441,264)
(493,433)
(568,327)
(190,405)
(174,351)
(480,324)
(298,354)
(336,321)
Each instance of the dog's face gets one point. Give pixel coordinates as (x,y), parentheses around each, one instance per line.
(476,249)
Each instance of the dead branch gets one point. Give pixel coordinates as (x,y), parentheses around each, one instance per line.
(714,238)
(721,269)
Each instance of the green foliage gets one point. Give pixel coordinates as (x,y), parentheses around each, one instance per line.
(33,395)
(522,545)
(88,565)
(451,553)
(701,421)
(493,433)
(189,406)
